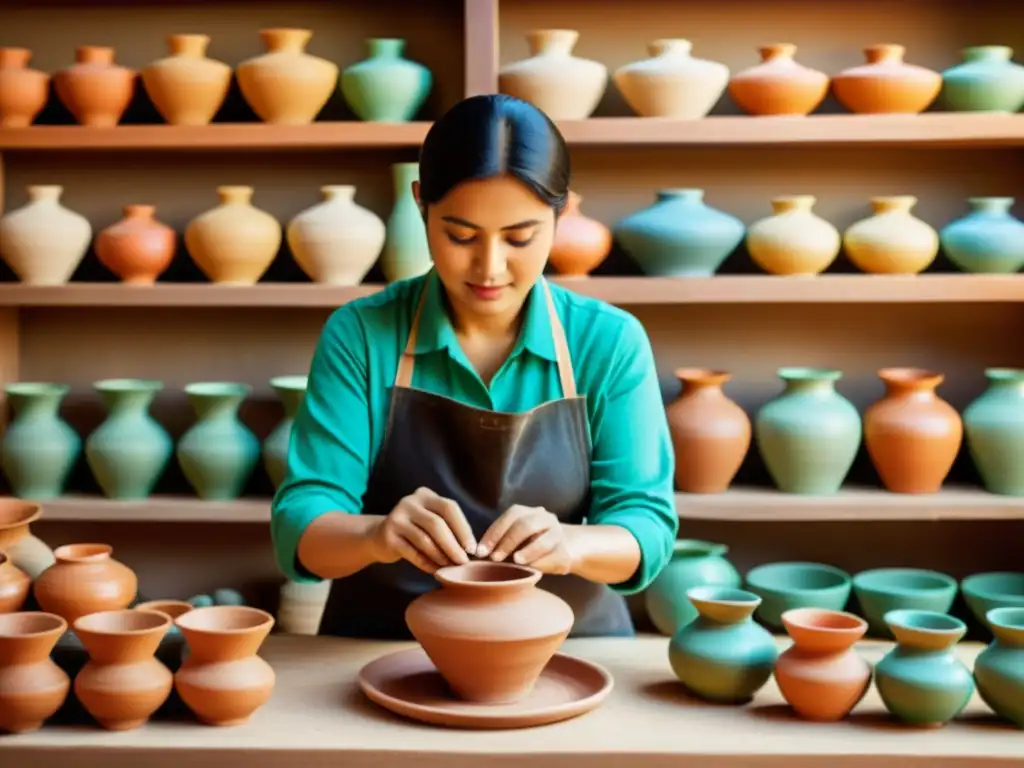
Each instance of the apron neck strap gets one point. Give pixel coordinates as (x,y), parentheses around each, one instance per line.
(407,362)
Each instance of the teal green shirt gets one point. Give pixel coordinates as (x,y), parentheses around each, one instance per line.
(340,425)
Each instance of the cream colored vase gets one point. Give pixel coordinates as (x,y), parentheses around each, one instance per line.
(563,86)
(286,85)
(893,241)
(302,607)
(234,243)
(186,87)
(43,242)
(794,240)
(336,241)
(672,83)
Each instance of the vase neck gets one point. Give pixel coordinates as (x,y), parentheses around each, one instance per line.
(996,206)
(911,382)
(209,407)
(342,193)
(404,174)
(813,381)
(702,382)
(670,48)
(285,40)
(1006,379)
(988,53)
(804,203)
(693,196)
(188,46)
(28,638)
(139,212)
(386,47)
(232,195)
(777,52)
(893,204)
(552,42)
(45,193)
(14,58)
(83,554)
(693,549)
(36,401)
(94,54)
(291,390)
(127,402)
(885,53)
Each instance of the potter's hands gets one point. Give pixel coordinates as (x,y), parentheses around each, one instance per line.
(531,536)
(426,529)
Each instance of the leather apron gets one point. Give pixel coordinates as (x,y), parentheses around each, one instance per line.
(486,461)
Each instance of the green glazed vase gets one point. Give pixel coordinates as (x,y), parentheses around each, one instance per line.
(218,453)
(129,451)
(920,680)
(999,669)
(291,390)
(994,427)
(809,435)
(39,448)
(406,253)
(386,87)
(986,81)
(723,656)
(988,240)
(693,564)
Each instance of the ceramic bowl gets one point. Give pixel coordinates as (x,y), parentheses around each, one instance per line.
(997,589)
(784,586)
(881,590)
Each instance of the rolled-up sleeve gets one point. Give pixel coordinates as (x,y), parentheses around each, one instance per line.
(328,454)
(632,463)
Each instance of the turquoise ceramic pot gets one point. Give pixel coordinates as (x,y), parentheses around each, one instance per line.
(406,252)
(994,427)
(987,240)
(920,680)
(881,590)
(693,564)
(386,87)
(680,235)
(785,586)
(291,390)
(39,448)
(809,435)
(986,81)
(999,669)
(998,589)
(723,656)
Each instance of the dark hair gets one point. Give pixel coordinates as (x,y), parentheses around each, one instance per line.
(486,136)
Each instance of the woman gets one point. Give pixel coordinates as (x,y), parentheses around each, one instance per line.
(478,411)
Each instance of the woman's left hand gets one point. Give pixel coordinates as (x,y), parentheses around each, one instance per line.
(532,536)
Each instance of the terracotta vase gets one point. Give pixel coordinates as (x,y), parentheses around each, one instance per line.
(23,91)
(85,579)
(95,89)
(911,434)
(187,88)
(15,585)
(138,248)
(893,241)
(710,433)
(286,85)
(563,86)
(32,686)
(489,630)
(821,676)
(581,243)
(171,651)
(25,551)
(234,243)
(672,82)
(793,240)
(337,241)
(223,681)
(886,84)
(122,684)
(43,242)
(779,85)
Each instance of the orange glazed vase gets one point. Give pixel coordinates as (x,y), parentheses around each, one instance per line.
(85,579)
(778,85)
(187,88)
(23,91)
(886,84)
(820,675)
(32,686)
(911,434)
(15,585)
(581,243)
(95,90)
(710,433)
(138,249)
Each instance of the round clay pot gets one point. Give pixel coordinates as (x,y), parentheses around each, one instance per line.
(911,434)
(32,686)
(793,240)
(672,82)
(43,242)
(14,586)
(489,630)
(187,88)
(23,91)
(892,241)
(25,551)
(95,89)
(85,579)
(886,84)
(581,243)
(778,85)
(138,249)
(234,243)
(710,433)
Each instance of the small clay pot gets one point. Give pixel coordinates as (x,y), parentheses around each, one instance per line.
(172,645)
(138,249)
(85,579)
(886,84)
(778,85)
(32,687)
(23,91)
(15,585)
(581,243)
(95,89)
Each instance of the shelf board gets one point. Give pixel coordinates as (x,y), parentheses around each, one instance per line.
(156,509)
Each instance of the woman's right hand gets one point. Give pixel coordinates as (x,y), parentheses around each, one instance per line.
(426,529)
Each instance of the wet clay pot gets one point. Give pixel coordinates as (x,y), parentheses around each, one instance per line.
(15,585)
(223,681)
(27,552)
(489,630)
(581,243)
(23,91)
(710,433)
(138,248)
(778,85)
(122,684)
(187,88)
(886,84)
(85,579)
(234,243)
(911,434)
(820,675)
(32,686)
(95,90)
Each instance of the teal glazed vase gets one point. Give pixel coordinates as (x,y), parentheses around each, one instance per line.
(986,81)
(129,451)
(406,252)
(679,235)
(39,448)
(989,239)
(994,427)
(693,564)
(218,453)
(809,435)
(386,87)
(999,669)
(921,681)
(291,390)
(723,656)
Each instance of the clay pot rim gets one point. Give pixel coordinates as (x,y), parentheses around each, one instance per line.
(886,581)
(697,375)
(717,593)
(462,576)
(808,373)
(187,621)
(218,388)
(290,381)
(976,584)
(37,388)
(699,548)
(87,552)
(29,512)
(910,376)
(89,622)
(1005,374)
(58,625)
(128,385)
(1006,617)
(766,578)
(168,607)
(925,622)
(816,619)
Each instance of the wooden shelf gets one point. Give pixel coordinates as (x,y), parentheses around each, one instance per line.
(156,509)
